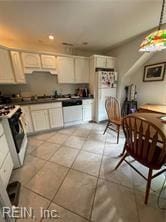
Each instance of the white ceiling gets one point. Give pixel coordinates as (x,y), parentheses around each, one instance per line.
(101,23)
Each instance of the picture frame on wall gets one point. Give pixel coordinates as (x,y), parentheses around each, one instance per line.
(154,72)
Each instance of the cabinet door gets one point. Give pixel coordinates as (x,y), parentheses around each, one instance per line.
(101,62)
(87,112)
(40,120)
(6,72)
(6,169)
(17,66)
(56,117)
(3,148)
(82,70)
(48,61)
(31,60)
(110,62)
(27,119)
(65,69)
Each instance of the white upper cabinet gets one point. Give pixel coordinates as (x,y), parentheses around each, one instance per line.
(6,71)
(48,61)
(31,60)
(17,67)
(65,69)
(101,62)
(81,70)
(105,62)
(36,62)
(110,62)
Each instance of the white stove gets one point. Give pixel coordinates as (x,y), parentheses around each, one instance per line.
(7,111)
(11,117)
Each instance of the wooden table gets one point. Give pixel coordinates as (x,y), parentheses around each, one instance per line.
(154,118)
(152,108)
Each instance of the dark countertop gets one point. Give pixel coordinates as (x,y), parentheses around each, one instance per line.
(47,100)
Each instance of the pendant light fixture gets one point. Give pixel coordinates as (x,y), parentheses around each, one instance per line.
(156,41)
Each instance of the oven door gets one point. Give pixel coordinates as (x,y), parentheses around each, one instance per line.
(17,129)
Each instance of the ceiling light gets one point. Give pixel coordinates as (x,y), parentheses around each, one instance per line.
(156,41)
(51,37)
(85,43)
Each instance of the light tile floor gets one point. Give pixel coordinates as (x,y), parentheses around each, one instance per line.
(71,171)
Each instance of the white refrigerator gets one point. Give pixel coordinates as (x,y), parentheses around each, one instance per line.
(106,85)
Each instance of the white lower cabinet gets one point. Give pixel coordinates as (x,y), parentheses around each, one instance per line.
(39,117)
(40,120)
(6,170)
(6,163)
(56,117)
(3,148)
(87,113)
(88,110)
(27,119)
(44,116)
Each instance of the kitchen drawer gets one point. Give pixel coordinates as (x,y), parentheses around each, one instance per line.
(87,101)
(3,148)
(1,129)
(45,106)
(6,170)
(56,105)
(40,106)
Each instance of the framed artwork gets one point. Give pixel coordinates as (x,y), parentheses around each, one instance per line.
(154,72)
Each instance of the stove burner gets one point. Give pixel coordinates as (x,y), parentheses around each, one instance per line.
(5,109)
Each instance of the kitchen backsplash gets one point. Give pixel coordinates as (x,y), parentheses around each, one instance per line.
(39,84)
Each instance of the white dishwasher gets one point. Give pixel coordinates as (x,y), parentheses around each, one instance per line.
(72,112)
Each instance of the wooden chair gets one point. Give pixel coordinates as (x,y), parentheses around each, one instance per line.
(114,115)
(146,143)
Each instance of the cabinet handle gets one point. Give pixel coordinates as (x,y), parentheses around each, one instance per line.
(1,135)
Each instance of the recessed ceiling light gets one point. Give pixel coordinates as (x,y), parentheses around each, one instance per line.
(67,44)
(85,43)
(51,37)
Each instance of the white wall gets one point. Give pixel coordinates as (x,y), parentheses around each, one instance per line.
(127,54)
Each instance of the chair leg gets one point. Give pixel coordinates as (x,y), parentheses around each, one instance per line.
(122,152)
(118,129)
(106,127)
(126,154)
(148,185)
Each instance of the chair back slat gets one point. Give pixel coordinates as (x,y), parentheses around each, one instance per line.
(140,141)
(113,109)
(135,137)
(153,147)
(144,141)
(145,147)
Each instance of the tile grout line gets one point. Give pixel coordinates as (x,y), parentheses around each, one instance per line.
(69,168)
(86,138)
(95,191)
